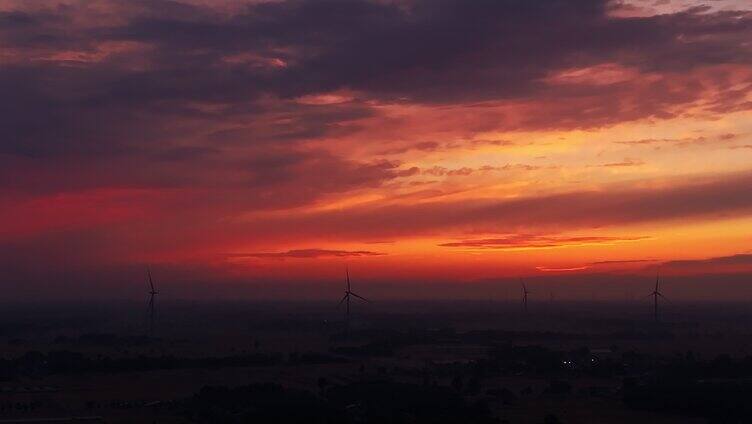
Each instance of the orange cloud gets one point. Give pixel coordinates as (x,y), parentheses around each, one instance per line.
(530,241)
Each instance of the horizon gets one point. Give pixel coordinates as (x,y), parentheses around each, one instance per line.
(600,288)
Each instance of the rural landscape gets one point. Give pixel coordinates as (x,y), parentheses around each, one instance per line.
(399,362)
(376,211)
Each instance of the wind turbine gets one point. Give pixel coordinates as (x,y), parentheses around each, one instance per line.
(348,294)
(656,293)
(524,294)
(152,292)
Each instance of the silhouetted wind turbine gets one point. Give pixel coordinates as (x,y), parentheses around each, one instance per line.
(348,294)
(152,292)
(524,294)
(656,293)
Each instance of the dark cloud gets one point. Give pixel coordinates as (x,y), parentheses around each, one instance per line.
(306,254)
(424,146)
(712,264)
(440,171)
(720,196)
(455,51)
(432,146)
(195,65)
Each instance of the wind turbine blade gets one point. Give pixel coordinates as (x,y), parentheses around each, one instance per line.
(343,299)
(360,297)
(664,297)
(347,272)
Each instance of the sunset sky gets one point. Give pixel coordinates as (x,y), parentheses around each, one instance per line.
(436,147)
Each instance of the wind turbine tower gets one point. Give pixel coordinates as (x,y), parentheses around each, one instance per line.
(524,295)
(152,292)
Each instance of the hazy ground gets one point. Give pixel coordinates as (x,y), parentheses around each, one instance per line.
(453,346)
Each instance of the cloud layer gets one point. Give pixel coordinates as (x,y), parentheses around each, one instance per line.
(174,132)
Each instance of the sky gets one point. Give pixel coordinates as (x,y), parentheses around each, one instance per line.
(437,148)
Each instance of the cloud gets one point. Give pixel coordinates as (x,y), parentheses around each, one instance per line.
(440,171)
(145,74)
(625,163)
(432,146)
(622,262)
(687,140)
(164,129)
(681,142)
(616,265)
(532,241)
(265,178)
(423,146)
(713,196)
(739,264)
(740,260)
(570,269)
(306,254)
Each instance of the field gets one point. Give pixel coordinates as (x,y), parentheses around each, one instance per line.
(558,362)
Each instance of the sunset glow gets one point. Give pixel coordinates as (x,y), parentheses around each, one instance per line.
(240,144)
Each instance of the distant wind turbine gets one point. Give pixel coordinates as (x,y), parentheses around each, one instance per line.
(655,294)
(524,294)
(348,294)
(152,292)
